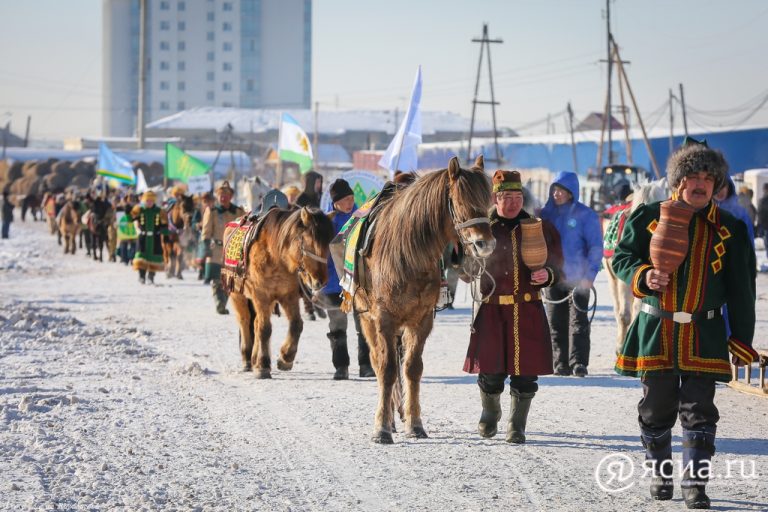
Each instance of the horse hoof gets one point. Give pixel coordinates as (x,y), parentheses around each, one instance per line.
(416,433)
(247,367)
(282,365)
(382,437)
(263,373)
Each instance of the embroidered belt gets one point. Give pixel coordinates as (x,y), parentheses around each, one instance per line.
(681,317)
(506,300)
(150,233)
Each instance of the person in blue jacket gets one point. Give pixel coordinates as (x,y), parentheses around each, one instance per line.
(343,206)
(727,199)
(582,242)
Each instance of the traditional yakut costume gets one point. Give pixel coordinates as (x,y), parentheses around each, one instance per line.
(151,223)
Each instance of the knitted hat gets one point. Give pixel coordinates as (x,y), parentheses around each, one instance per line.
(224,187)
(507,180)
(695,156)
(340,189)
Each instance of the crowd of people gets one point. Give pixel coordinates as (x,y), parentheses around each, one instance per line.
(535,322)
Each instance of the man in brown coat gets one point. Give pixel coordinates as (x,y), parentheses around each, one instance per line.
(214,222)
(511,333)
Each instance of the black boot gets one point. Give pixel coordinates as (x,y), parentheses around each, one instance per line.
(698,449)
(142,276)
(658,455)
(340,355)
(151,277)
(518,416)
(491,415)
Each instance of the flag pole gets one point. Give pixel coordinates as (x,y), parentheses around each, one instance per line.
(279,168)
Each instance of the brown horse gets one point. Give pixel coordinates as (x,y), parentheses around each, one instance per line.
(180,234)
(292,246)
(69,225)
(401,285)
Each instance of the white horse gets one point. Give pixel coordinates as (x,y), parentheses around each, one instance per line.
(251,192)
(625,306)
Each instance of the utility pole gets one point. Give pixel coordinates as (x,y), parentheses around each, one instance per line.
(682,104)
(573,140)
(484,42)
(142,69)
(609,40)
(26,132)
(315,136)
(671,122)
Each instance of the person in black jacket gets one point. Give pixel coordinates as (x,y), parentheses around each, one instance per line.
(762,216)
(7,214)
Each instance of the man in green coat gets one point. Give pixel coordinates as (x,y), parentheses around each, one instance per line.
(151,224)
(678,344)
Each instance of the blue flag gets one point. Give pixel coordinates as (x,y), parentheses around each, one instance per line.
(401,155)
(113,166)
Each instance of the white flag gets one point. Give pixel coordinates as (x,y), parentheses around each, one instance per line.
(401,155)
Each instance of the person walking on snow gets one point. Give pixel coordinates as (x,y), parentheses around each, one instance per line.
(152,225)
(568,300)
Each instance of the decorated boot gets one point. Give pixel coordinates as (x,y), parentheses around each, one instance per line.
(518,416)
(491,415)
(658,455)
(698,449)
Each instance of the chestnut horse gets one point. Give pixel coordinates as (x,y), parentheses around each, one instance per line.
(69,224)
(292,246)
(401,283)
(180,235)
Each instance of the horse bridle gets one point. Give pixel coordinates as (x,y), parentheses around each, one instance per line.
(459,226)
(309,254)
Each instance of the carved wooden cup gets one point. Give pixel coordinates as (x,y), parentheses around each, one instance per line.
(669,242)
(533,246)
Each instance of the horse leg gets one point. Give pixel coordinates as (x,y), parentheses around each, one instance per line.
(261,362)
(386,375)
(621,304)
(244,317)
(413,368)
(295,327)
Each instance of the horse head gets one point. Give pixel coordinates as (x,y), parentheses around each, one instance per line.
(307,235)
(469,193)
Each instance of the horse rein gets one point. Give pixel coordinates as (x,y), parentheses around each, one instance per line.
(302,271)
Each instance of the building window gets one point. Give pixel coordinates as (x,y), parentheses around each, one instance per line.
(182,86)
(226,104)
(181,106)
(226,66)
(182,6)
(163,86)
(226,26)
(249,85)
(164,65)
(209,57)
(165,45)
(182,46)
(164,105)
(210,16)
(209,95)
(209,76)
(226,6)
(181,66)
(226,86)
(165,25)
(227,47)
(209,36)
(164,6)
(182,26)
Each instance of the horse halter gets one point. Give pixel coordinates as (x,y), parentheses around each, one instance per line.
(460,226)
(309,254)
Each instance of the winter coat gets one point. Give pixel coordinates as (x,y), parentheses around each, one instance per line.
(719,268)
(339,219)
(309,197)
(513,338)
(7,212)
(732,205)
(580,233)
(214,222)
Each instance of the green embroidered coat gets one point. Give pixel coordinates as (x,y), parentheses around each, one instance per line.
(152,225)
(719,269)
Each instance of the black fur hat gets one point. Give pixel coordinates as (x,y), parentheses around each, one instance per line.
(693,157)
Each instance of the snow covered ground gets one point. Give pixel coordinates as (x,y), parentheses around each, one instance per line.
(119,396)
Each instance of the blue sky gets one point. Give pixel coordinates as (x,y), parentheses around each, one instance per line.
(365,55)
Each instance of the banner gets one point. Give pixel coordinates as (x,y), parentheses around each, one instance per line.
(294,145)
(364,184)
(112,166)
(181,166)
(199,184)
(401,155)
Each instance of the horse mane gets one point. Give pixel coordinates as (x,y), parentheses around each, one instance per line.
(287,226)
(414,226)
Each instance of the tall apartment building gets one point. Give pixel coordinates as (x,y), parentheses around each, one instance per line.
(233,53)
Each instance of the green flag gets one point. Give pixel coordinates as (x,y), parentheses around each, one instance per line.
(181,166)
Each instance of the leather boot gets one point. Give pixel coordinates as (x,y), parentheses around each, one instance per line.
(220,298)
(340,355)
(658,455)
(491,415)
(698,449)
(518,416)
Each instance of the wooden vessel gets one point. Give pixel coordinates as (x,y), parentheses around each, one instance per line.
(669,242)
(533,246)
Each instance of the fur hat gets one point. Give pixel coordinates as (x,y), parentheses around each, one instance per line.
(695,156)
(340,189)
(507,180)
(149,194)
(224,187)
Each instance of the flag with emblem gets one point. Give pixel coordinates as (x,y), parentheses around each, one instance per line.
(182,166)
(293,144)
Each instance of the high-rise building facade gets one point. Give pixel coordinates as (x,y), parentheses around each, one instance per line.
(225,53)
